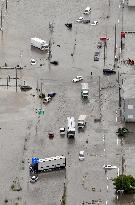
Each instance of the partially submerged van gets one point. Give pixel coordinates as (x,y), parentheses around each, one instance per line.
(87,10)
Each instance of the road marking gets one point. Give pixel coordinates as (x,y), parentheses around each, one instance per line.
(107,178)
(104,150)
(119,6)
(106,202)
(117,141)
(118,20)
(107,187)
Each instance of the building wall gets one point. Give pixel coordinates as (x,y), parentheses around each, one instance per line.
(131,2)
(128,110)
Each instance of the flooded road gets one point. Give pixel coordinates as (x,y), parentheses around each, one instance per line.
(24,134)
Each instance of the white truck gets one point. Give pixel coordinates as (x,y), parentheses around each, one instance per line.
(47,164)
(71,127)
(39,43)
(84,90)
(81,121)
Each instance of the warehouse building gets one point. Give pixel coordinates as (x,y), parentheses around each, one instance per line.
(128,99)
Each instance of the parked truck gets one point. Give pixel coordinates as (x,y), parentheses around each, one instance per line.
(39,43)
(84,90)
(71,127)
(81,121)
(47,164)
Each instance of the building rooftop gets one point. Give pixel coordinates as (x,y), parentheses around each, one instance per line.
(128,87)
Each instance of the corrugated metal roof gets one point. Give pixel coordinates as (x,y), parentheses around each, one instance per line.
(128,87)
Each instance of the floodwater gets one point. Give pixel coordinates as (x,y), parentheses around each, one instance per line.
(25,134)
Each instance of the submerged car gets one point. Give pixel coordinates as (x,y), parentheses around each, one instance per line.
(62,131)
(96,56)
(85,21)
(107,71)
(46,100)
(33,62)
(80,19)
(77,79)
(108,166)
(33,179)
(81,155)
(99,44)
(94,23)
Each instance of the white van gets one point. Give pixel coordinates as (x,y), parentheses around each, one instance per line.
(87,10)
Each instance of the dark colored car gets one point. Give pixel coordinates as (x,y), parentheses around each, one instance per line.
(96,56)
(108,71)
(86,21)
(51,94)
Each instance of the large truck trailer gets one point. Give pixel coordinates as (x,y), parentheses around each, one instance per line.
(47,164)
(71,127)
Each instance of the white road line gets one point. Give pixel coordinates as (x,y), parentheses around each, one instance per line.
(107,187)
(118,20)
(107,178)
(104,150)
(106,202)
(119,6)
(117,141)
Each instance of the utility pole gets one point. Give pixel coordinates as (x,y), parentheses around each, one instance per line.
(104,51)
(119,89)
(122,27)
(16,77)
(99,87)
(115,47)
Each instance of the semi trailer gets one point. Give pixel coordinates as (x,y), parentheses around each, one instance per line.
(47,164)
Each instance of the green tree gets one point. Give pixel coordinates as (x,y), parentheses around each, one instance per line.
(125,183)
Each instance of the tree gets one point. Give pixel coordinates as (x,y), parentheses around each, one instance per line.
(125,183)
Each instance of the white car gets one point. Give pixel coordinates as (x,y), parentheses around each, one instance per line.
(94,23)
(81,155)
(32,62)
(33,179)
(108,166)
(62,131)
(80,19)
(77,79)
